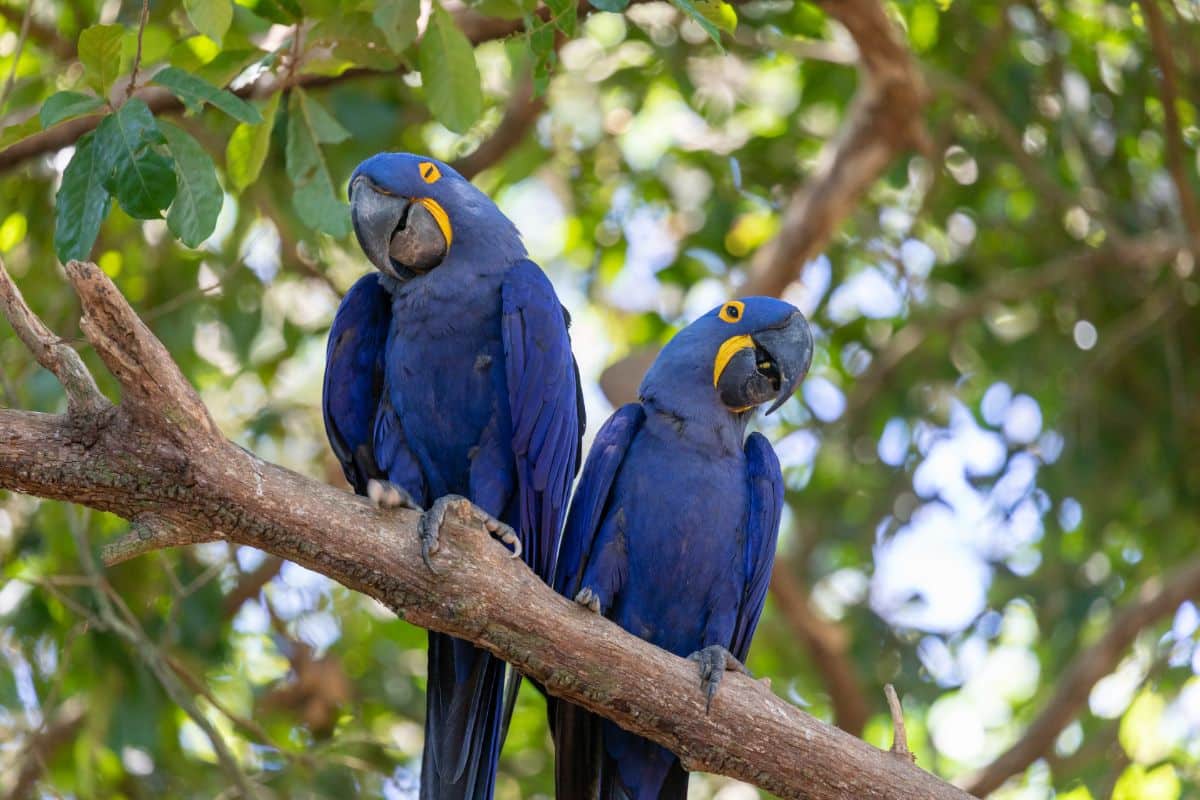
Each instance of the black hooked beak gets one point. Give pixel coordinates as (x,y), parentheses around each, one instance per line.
(772,368)
(400,236)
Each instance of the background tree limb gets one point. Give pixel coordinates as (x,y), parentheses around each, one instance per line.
(172,469)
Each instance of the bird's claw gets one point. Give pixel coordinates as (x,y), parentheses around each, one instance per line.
(714,662)
(588,599)
(430,526)
(387,495)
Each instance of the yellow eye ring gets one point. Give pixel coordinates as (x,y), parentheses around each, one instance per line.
(732,311)
(429,171)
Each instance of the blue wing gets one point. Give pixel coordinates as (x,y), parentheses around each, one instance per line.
(546,406)
(353,387)
(591,495)
(578,739)
(765,480)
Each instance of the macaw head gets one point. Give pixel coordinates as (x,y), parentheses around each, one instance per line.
(411,212)
(741,354)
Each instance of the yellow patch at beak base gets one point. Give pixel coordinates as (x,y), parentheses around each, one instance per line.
(440,216)
(729,348)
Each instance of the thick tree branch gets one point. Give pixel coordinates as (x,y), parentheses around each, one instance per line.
(134,465)
(885,118)
(1156,600)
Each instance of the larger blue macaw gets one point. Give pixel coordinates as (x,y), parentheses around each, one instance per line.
(449,373)
(672,528)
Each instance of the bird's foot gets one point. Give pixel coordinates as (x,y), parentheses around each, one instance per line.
(588,599)
(430,526)
(714,662)
(385,494)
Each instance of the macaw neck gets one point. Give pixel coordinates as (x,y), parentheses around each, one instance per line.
(695,421)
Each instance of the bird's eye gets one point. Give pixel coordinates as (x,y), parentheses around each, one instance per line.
(732,311)
(429,171)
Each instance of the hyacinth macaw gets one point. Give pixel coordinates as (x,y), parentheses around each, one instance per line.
(672,529)
(449,374)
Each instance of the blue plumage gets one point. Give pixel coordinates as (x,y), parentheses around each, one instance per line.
(672,528)
(449,371)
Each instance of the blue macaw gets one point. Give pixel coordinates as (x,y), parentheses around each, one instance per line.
(449,373)
(672,529)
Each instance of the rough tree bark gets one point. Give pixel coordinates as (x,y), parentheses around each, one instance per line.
(158,460)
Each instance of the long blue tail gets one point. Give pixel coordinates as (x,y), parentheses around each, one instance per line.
(462,721)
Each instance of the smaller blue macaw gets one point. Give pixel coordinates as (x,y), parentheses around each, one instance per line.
(671,532)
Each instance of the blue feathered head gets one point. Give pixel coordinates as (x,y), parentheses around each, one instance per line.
(414,213)
(740,355)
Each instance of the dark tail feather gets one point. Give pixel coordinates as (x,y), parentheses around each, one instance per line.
(512,687)
(637,769)
(462,721)
(578,743)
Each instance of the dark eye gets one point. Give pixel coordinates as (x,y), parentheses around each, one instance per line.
(731,311)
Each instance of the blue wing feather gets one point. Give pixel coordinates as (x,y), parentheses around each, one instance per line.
(354,366)
(542,390)
(765,480)
(591,495)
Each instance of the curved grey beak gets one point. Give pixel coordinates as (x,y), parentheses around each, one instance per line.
(789,352)
(771,369)
(400,237)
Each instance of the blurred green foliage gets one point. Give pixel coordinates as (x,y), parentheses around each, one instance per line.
(996,449)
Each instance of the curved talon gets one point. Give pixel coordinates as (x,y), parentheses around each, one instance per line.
(430,526)
(504,533)
(714,662)
(588,599)
(387,495)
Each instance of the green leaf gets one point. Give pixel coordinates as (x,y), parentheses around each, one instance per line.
(702,13)
(505,9)
(247,149)
(719,13)
(616,6)
(541,44)
(314,198)
(193,215)
(21,130)
(194,92)
(211,17)
(449,73)
(100,52)
(64,105)
(325,126)
(142,179)
(564,14)
(398,21)
(82,202)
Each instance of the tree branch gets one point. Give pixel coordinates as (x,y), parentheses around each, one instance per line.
(827,645)
(58,730)
(1161,43)
(523,110)
(134,464)
(884,120)
(1156,600)
(477,27)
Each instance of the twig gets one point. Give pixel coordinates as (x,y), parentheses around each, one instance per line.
(899,735)
(116,617)
(1161,44)
(16,57)
(137,57)
(83,396)
(146,535)
(1156,599)
(251,584)
(40,33)
(58,729)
